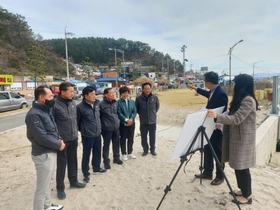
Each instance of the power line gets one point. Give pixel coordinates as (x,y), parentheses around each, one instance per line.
(241,60)
(208,58)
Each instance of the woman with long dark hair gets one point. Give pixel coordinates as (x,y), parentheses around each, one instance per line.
(239,137)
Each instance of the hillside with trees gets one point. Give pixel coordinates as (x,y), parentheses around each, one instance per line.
(24,53)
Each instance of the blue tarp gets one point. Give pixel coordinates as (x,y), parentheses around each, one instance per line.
(108,79)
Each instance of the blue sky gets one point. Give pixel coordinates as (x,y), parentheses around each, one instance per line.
(207,28)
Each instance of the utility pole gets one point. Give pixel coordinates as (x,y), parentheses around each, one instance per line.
(162,68)
(167,60)
(183,49)
(254,68)
(115,65)
(174,68)
(66,52)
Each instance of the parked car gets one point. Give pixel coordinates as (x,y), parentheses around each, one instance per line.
(100,90)
(78,89)
(10,100)
(99,87)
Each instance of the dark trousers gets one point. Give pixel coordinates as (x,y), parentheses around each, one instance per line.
(67,157)
(144,129)
(107,137)
(216,142)
(91,145)
(244,181)
(127,132)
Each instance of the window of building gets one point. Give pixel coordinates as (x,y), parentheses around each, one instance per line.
(31,85)
(16,86)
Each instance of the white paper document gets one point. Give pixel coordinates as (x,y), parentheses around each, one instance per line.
(190,128)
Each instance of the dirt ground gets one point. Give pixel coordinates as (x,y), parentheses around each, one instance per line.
(137,184)
(176,104)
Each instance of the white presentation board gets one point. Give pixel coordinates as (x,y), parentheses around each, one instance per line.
(190,128)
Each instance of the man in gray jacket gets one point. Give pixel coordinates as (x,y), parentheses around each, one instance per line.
(45,140)
(147,105)
(64,113)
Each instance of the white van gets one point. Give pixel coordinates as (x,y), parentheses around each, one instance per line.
(78,89)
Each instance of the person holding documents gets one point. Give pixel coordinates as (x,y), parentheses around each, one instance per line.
(217,97)
(239,138)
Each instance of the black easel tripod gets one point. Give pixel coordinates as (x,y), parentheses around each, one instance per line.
(200,130)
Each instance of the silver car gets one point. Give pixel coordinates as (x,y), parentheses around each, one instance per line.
(10,100)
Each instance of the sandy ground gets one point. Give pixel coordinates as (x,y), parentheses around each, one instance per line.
(137,184)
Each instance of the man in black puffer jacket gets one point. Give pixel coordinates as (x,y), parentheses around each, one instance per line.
(110,127)
(45,139)
(147,105)
(64,113)
(88,119)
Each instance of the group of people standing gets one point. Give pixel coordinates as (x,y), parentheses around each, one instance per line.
(53,125)
(234,142)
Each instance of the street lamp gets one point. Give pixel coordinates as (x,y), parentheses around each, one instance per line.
(162,68)
(229,52)
(121,51)
(66,51)
(183,49)
(254,68)
(174,68)
(167,63)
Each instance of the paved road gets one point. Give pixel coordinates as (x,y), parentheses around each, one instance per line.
(12,120)
(16,118)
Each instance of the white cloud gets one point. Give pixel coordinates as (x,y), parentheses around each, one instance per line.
(208,28)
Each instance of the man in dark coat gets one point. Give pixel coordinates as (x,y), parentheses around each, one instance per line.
(88,119)
(64,113)
(110,124)
(217,97)
(147,105)
(44,137)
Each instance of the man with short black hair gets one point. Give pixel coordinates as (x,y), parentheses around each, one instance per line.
(147,105)
(110,127)
(65,116)
(45,141)
(88,121)
(217,97)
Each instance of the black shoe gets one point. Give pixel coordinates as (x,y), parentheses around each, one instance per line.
(107,166)
(144,153)
(118,161)
(61,194)
(153,153)
(217,181)
(99,171)
(78,185)
(86,179)
(203,176)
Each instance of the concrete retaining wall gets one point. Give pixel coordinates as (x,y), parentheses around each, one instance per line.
(267,134)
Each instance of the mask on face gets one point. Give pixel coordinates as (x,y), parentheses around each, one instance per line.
(49,103)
